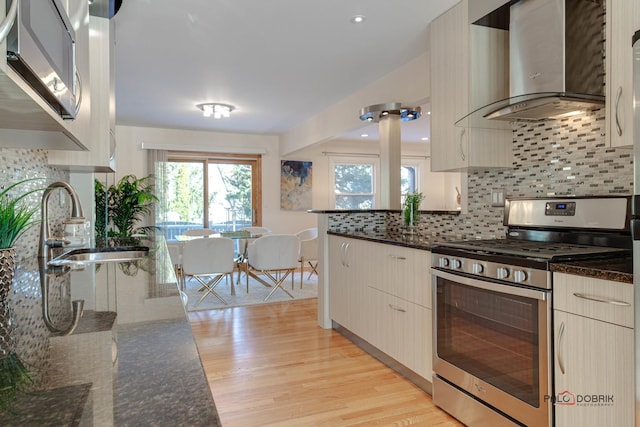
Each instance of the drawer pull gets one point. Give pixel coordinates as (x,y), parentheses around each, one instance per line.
(397,257)
(560,336)
(604,300)
(393,307)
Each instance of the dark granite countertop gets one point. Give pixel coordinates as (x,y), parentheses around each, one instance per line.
(156,375)
(390,237)
(618,270)
(342,211)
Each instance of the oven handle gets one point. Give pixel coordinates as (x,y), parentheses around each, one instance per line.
(491,286)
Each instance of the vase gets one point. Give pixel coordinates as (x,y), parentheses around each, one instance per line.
(7,271)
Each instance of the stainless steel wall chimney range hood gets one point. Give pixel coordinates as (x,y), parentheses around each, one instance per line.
(556,61)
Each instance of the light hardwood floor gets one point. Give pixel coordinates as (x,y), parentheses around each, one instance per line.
(272,365)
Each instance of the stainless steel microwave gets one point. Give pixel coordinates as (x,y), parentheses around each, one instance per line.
(41,48)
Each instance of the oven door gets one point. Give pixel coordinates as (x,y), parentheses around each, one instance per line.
(492,341)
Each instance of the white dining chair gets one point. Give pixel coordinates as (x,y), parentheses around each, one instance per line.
(208,261)
(175,254)
(242,248)
(199,232)
(308,251)
(275,257)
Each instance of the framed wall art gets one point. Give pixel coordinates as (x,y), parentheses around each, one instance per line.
(295,185)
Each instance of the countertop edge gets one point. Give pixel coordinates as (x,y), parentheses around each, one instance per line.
(360,211)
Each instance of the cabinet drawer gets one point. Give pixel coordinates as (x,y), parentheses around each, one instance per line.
(594,298)
(404,272)
(402,330)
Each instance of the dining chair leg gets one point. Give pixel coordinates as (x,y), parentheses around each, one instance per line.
(278,283)
(314,269)
(233,287)
(301,272)
(210,288)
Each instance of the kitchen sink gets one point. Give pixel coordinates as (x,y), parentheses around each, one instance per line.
(100,255)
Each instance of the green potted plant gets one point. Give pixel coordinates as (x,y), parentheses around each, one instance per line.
(410,210)
(127,203)
(16,216)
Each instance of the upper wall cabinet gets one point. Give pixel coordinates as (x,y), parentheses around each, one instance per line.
(469,69)
(101,157)
(622,20)
(27,120)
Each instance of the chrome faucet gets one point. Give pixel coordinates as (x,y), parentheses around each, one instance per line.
(47,243)
(45,249)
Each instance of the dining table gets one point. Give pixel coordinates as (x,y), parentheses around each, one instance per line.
(241,252)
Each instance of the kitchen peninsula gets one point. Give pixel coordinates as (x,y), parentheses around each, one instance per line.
(131,361)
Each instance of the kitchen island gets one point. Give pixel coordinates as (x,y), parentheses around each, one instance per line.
(132,360)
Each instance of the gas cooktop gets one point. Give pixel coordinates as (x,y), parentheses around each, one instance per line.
(548,251)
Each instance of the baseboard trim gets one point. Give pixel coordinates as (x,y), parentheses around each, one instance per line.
(389,361)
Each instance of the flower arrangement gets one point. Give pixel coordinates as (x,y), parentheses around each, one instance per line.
(410,209)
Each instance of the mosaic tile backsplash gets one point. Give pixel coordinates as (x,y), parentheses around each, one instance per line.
(32,343)
(561,157)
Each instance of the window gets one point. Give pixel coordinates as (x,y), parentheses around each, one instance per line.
(221,192)
(409,177)
(355,181)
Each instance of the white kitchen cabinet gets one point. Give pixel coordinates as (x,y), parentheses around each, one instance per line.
(622,20)
(78,11)
(101,154)
(594,355)
(382,293)
(349,272)
(27,120)
(468,69)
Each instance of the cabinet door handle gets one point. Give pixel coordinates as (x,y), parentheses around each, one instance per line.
(398,257)
(618,96)
(112,145)
(603,300)
(346,255)
(560,336)
(396,308)
(462,155)
(79,88)
(8,20)
(342,254)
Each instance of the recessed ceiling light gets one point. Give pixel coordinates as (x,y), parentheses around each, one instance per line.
(364,135)
(426,138)
(358,19)
(428,113)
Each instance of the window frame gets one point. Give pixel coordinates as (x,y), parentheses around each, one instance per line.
(215,158)
(374,162)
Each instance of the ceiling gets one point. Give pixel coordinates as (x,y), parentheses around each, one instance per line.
(279,62)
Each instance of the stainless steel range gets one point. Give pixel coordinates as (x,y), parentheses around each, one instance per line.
(493,343)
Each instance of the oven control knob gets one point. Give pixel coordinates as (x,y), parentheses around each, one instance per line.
(443,262)
(519,276)
(477,268)
(456,264)
(502,273)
